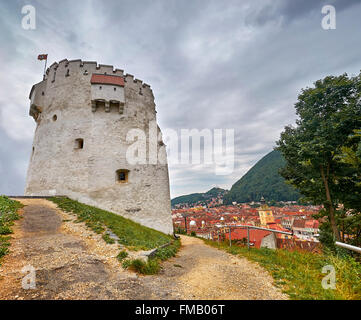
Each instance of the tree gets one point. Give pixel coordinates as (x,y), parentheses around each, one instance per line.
(314,149)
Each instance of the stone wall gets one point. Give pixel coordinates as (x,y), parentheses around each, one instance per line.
(62,108)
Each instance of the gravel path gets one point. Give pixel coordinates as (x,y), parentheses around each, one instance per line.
(72,262)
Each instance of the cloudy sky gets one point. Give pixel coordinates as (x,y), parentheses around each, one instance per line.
(235,64)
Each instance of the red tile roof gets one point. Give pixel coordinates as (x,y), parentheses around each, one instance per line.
(255,235)
(107,79)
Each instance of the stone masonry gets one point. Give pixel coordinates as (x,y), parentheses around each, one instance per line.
(83,113)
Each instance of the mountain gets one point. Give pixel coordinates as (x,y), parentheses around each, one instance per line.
(199,198)
(264,180)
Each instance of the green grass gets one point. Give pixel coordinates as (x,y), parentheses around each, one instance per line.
(8,213)
(132,235)
(139,266)
(299,274)
(108,239)
(122,255)
(153,265)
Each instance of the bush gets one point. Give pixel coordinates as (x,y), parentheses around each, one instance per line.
(180,231)
(107,238)
(122,255)
(140,266)
(152,266)
(8,213)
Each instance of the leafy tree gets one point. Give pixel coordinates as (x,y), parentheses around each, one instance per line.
(314,149)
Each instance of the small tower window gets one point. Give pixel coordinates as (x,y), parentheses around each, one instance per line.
(100,104)
(114,105)
(67,73)
(79,143)
(55,117)
(122,175)
(100,87)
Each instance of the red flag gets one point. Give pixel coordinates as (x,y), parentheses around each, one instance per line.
(42,57)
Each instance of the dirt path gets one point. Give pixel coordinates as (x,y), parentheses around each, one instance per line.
(71,262)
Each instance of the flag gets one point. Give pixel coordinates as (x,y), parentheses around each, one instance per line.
(42,56)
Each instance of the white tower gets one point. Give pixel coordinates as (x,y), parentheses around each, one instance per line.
(84,113)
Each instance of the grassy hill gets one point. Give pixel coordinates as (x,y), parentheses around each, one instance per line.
(264,180)
(199,198)
(132,235)
(299,273)
(8,213)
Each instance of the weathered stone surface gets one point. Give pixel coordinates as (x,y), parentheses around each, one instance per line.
(64,111)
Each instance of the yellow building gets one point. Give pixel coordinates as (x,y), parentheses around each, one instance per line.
(265,214)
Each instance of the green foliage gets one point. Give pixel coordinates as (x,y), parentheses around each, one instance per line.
(180,230)
(8,213)
(107,238)
(264,180)
(299,274)
(153,265)
(193,234)
(316,149)
(199,198)
(126,263)
(168,251)
(122,255)
(131,234)
(148,268)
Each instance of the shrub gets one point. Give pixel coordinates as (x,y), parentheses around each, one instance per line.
(140,266)
(122,255)
(107,238)
(8,213)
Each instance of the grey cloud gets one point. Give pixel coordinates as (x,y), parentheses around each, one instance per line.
(288,11)
(211,65)
(13,159)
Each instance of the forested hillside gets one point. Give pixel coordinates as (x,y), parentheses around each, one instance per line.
(264,180)
(199,198)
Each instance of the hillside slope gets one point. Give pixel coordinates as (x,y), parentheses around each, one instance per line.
(264,180)
(199,198)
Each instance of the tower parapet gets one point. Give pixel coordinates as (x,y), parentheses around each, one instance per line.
(84,112)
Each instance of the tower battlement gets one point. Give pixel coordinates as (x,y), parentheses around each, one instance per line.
(90,67)
(84,112)
(70,76)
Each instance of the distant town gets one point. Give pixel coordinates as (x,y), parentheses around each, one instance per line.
(292,226)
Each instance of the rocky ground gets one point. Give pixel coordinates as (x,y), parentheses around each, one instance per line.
(72,262)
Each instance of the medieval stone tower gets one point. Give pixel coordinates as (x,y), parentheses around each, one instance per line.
(84,113)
